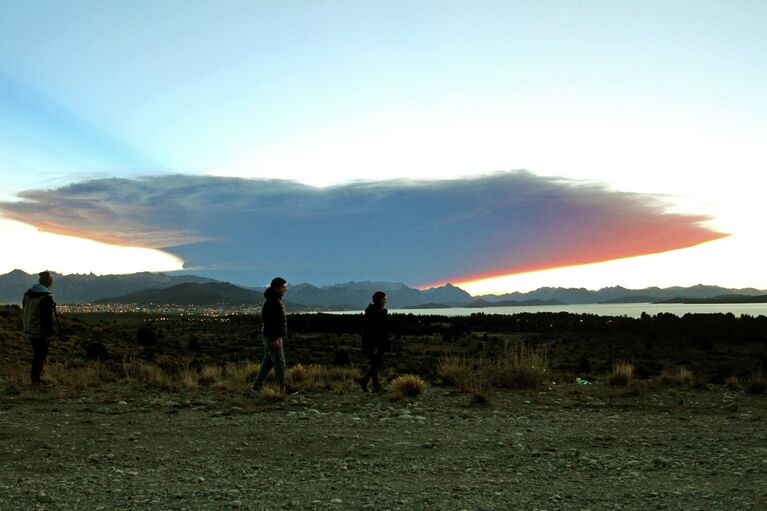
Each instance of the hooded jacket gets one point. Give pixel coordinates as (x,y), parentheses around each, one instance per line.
(375,335)
(274,320)
(39,312)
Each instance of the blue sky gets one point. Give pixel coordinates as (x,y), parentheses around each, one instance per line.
(664,100)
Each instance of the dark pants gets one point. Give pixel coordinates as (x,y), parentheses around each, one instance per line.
(39,354)
(376,363)
(272,358)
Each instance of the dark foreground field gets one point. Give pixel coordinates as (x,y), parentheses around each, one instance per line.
(714,347)
(559,447)
(165,420)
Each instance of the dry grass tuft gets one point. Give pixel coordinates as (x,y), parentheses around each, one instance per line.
(241,373)
(457,370)
(520,367)
(756,384)
(89,376)
(140,372)
(189,379)
(75,377)
(408,386)
(622,374)
(271,394)
(176,376)
(319,377)
(480,393)
(296,374)
(210,375)
(679,376)
(16,376)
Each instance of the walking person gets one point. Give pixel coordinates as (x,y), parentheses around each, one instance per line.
(39,313)
(274,330)
(375,340)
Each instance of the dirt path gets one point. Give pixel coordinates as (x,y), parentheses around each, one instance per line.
(564,448)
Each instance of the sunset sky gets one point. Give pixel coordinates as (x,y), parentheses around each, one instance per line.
(503,146)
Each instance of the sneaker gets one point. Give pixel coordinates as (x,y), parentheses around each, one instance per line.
(290,391)
(378,389)
(362,383)
(257,387)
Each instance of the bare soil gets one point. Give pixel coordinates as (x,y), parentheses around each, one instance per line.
(581,447)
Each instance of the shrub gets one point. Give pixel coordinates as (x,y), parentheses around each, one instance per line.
(756,384)
(755,387)
(732,382)
(678,376)
(584,364)
(341,358)
(97,351)
(408,386)
(622,374)
(146,336)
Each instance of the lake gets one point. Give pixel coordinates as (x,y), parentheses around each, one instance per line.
(633,310)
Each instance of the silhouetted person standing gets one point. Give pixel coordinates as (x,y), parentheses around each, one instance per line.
(274,330)
(39,312)
(375,340)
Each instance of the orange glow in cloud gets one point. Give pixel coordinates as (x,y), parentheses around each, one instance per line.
(99,237)
(639,238)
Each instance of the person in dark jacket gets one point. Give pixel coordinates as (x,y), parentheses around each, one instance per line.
(274,330)
(375,340)
(39,312)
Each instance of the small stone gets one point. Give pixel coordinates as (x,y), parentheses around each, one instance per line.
(731,407)
(44,498)
(336,501)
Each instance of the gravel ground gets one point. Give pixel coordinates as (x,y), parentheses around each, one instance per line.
(566,447)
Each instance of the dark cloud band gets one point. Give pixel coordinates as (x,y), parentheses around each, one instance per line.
(411,231)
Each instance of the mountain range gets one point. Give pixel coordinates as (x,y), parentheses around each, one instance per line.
(159,288)
(620,294)
(87,288)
